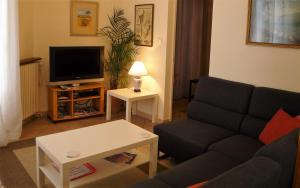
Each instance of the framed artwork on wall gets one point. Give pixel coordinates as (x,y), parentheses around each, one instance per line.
(274,23)
(84,18)
(143,25)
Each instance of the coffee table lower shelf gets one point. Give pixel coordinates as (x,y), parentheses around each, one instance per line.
(103,167)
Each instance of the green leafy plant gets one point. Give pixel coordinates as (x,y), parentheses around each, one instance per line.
(123,50)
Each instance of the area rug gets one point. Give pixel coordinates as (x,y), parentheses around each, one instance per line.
(1,185)
(23,170)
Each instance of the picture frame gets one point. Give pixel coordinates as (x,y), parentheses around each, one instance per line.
(274,23)
(144,25)
(84,18)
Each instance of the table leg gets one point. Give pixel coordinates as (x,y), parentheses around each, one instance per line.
(153,158)
(154,109)
(64,177)
(134,107)
(128,110)
(108,107)
(40,161)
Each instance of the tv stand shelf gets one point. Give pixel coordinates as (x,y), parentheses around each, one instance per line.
(76,102)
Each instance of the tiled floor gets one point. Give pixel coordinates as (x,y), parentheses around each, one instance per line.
(44,126)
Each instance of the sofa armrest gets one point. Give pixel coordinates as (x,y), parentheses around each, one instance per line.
(259,172)
(297,167)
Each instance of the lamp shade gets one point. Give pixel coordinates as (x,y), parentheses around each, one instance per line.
(138,69)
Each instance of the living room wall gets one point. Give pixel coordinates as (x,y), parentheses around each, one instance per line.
(26,28)
(159,58)
(232,59)
(48,22)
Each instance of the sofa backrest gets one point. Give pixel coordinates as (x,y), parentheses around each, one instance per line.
(284,152)
(265,102)
(220,102)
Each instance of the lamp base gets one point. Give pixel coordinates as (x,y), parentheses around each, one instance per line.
(137,84)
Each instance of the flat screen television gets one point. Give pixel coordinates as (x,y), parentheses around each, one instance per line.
(76,63)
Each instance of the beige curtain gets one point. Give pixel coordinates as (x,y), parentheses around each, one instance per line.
(193,37)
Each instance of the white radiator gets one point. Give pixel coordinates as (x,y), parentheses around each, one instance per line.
(29,89)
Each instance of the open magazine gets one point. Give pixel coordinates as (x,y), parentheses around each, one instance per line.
(87,169)
(125,158)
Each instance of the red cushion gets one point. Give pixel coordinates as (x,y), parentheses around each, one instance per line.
(281,124)
(197,185)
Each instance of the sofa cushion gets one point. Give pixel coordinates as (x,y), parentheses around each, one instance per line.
(280,125)
(229,95)
(283,151)
(265,102)
(252,126)
(197,185)
(184,139)
(224,99)
(214,115)
(151,183)
(198,169)
(259,172)
(239,147)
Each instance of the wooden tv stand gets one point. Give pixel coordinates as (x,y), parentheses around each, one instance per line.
(76,102)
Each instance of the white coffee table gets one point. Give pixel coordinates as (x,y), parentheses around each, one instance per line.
(131,97)
(93,143)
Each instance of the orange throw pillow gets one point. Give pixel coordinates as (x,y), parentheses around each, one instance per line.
(197,185)
(280,125)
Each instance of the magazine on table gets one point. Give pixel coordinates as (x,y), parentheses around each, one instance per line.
(122,158)
(78,171)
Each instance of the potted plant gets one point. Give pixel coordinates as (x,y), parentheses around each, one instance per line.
(122,52)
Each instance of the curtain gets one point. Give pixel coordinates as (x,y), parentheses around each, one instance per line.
(193,37)
(10,97)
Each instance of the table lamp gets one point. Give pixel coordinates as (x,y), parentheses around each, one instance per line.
(137,70)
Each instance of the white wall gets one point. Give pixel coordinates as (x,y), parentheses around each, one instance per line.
(232,59)
(51,20)
(52,28)
(159,58)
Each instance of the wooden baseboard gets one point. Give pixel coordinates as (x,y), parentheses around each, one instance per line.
(44,114)
(149,116)
(34,117)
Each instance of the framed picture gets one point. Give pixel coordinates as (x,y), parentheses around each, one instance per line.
(84,18)
(143,25)
(274,23)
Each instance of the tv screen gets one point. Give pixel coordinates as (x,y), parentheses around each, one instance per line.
(76,63)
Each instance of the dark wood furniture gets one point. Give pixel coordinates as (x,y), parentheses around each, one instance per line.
(76,102)
(192,84)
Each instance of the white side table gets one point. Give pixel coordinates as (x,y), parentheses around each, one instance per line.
(130,96)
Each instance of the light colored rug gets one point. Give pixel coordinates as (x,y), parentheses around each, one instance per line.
(28,159)
(1,185)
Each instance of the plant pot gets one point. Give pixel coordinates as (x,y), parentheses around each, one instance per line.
(117,105)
